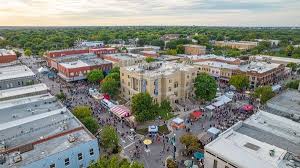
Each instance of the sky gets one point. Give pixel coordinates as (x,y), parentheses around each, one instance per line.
(149,12)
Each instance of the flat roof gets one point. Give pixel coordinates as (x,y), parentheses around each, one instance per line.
(159,68)
(245,151)
(123,56)
(285,104)
(216,64)
(279,59)
(210,56)
(12,72)
(29,119)
(273,129)
(4,52)
(80,60)
(259,67)
(248,143)
(195,46)
(23,90)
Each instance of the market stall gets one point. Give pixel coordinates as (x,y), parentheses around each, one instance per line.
(214,132)
(120,111)
(196,115)
(178,123)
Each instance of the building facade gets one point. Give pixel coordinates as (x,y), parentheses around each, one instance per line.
(172,81)
(253,143)
(7,56)
(16,76)
(241,45)
(123,59)
(194,49)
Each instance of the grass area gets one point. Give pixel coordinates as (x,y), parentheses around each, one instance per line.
(161,130)
(166,115)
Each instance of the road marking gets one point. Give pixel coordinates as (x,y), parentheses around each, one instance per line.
(129,145)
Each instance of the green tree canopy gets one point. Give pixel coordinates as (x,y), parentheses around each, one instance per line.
(27,52)
(191,142)
(263,93)
(142,107)
(109,139)
(294,84)
(115,162)
(240,82)
(114,75)
(115,70)
(110,86)
(82,111)
(293,66)
(180,49)
(95,76)
(206,87)
(91,124)
(84,114)
(149,59)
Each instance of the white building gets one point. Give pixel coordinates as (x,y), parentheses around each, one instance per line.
(264,140)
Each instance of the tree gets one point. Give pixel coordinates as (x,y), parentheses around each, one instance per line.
(114,75)
(109,139)
(294,84)
(110,86)
(115,162)
(61,96)
(263,93)
(91,124)
(191,142)
(142,107)
(240,82)
(82,112)
(149,59)
(206,87)
(180,49)
(95,76)
(171,52)
(292,65)
(171,163)
(289,50)
(28,52)
(115,70)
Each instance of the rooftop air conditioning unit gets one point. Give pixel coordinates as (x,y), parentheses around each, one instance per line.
(71,138)
(17,157)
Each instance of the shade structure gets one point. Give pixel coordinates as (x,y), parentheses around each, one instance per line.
(247,107)
(178,120)
(188,163)
(198,155)
(147,141)
(214,131)
(153,129)
(210,107)
(197,114)
(120,111)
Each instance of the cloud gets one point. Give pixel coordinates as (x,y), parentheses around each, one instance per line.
(140,12)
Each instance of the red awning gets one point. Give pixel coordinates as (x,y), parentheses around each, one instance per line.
(197,114)
(248,107)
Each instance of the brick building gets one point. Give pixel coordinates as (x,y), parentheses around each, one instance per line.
(75,67)
(241,45)
(7,56)
(194,49)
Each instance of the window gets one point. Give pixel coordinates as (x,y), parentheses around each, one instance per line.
(175,84)
(91,151)
(128,76)
(215,164)
(122,80)
(170,89)
(122,74)
(67,161)
(79,156)
(128,83)
(52,165)
(170,81)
